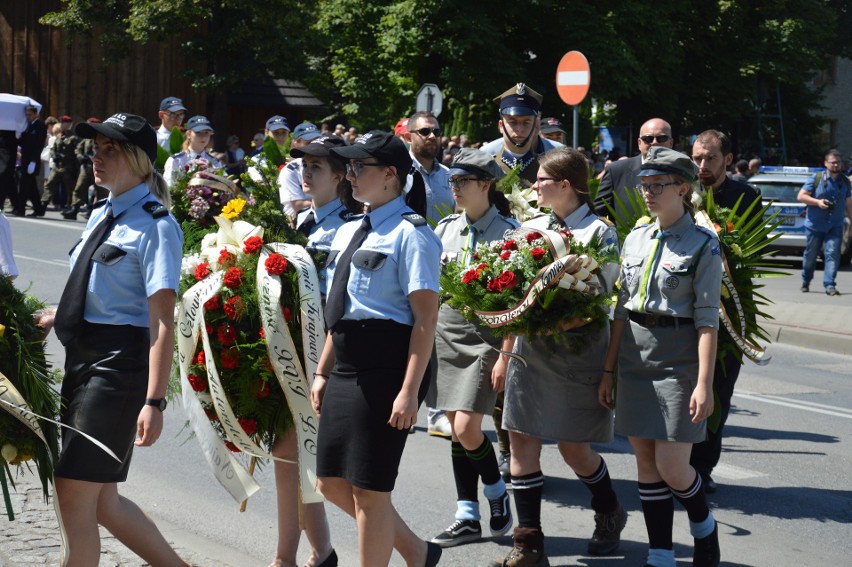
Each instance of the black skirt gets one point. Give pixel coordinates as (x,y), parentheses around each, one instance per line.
(106,380)
(355,441)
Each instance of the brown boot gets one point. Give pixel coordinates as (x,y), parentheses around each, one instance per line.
(528,550)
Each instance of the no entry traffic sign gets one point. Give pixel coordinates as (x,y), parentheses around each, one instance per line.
(572,78)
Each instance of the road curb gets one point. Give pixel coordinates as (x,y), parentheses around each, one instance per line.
(835,343)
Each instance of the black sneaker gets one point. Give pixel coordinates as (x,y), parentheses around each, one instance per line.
(461,531)
(503,467)
(607,534)
(501,515)
(805,288)
(706,552)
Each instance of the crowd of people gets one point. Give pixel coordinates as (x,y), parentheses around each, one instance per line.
(366,200)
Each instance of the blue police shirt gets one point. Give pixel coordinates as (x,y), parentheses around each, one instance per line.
(396,258)
(837,190)
(329,218)
(439,196)
(140,256)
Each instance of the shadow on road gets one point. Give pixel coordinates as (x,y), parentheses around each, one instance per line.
(732,431)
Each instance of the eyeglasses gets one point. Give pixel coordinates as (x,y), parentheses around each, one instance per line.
(656,188)
(661,138)
(175,114)
(426,131)
(460,182)
(541,180)
(354,168)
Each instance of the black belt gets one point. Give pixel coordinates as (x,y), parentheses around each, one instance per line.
(651,320)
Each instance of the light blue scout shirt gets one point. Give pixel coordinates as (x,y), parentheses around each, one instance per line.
(397,257)
(837,190)
(329,218)
(140,256)
(439,196)
(174,168)
(457,234)
(585,225)
(679,274)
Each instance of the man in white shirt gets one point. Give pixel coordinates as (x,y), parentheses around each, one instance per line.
(290,179)
(172,112)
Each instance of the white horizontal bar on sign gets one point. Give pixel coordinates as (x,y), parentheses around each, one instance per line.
(572,78)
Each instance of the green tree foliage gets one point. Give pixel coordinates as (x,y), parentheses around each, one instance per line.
(698,64)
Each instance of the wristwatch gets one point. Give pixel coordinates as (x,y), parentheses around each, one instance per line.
(160,403)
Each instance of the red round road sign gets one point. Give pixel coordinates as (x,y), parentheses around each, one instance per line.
(573,77)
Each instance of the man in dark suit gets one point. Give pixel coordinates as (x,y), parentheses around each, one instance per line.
(711,152)
(8,155)
(622,176)
(32,142)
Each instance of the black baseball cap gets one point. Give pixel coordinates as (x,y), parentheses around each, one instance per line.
(383,146)
(123,127)
(320,147)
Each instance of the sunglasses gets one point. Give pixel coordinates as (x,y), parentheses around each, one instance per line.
(661,138)
(426,131)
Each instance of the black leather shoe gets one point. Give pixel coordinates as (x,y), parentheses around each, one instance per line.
(70,214)
(36,214)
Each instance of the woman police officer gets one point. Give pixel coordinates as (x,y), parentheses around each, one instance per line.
(664,347)
(467,383)
(115,319)
(381,312)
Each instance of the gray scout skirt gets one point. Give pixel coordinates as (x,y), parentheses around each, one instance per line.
(465,361)
(556,395)
(657,372)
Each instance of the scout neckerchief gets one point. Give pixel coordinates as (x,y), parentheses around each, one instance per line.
(651,268)
(471,242)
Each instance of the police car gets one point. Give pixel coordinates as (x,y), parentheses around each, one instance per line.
(779,186)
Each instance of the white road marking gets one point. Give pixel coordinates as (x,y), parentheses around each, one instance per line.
(797,404)
(63,263)
(734,473)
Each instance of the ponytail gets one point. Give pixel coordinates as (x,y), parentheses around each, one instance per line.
(499,200)
(416,196)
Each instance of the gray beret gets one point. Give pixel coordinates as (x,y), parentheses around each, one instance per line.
(474,162)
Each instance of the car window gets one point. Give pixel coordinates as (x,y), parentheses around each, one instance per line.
(778,191)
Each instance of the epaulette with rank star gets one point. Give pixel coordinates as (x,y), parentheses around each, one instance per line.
(293,165)
(155,209)
(706,231)
(414,218)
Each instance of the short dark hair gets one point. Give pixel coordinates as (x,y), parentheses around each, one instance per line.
(709,136)
(412,120)
(834,153)
(32,108)
(741,166)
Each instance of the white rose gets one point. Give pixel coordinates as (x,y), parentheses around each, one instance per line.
(9,452)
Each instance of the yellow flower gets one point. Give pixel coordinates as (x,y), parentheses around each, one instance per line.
(2,330)
(735,248)
(643,220)
(233,209)
(725,293)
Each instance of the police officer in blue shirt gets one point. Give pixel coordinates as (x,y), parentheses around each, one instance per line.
(199,133)
(424,139)
(116,321)
(381,312)
(827,195)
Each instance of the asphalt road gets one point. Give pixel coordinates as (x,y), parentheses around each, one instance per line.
(785,496)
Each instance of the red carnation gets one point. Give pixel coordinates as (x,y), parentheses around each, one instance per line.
(208,327)
(492,286)
(198,383)
(263,392)
(248,424)
(234,307)
(482,267)
(212,304)
(262,333)
(230,358)
(276,264)
(227,334)
(232,447)
(505,254)
(510,245)
(470,276)
(507,280)
(532,237)
(211,413)
(567,233)
(202,270)
(200,359)
(538,253)
(226,258)
(252,245)
(233,278)
(288,315)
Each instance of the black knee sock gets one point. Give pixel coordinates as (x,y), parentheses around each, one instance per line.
(694,500)
(502,434)
(484,461)
(527,493)
(464,473)
(658,509)
(599,484)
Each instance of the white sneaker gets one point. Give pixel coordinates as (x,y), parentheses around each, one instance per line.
(440,427)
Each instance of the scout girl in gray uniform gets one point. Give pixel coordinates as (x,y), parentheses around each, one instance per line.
(664,346)
(324,179)
(555,395)
(199,132)
(381,311)
(467,384)
(116,321)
